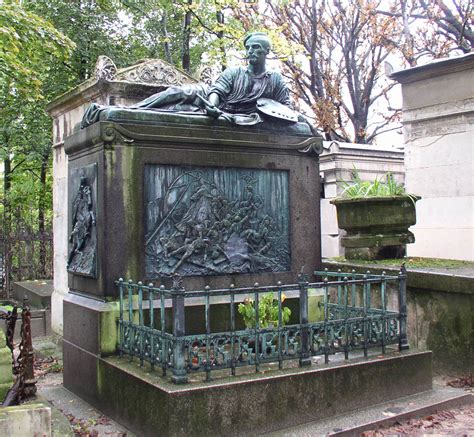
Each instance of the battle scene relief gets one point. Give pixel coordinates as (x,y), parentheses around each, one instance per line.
(212,221)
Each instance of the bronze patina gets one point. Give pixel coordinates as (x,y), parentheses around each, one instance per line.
(234,96)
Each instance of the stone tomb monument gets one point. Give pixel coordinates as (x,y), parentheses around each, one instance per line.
(219,186)
(214,196)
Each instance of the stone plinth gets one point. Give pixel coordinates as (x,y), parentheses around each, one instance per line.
(337,163)
(38,292)
(150,405)
(153,194)
(25,420)
(438,119)
(266,181)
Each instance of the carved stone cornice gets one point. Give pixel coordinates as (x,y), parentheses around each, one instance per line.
(202,134)
(154,72)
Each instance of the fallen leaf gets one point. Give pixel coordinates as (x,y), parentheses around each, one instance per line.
(388,413)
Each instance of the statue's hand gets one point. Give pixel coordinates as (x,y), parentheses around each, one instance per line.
(213,112)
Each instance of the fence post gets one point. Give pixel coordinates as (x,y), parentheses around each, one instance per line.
(179,366)
(305,359)
(402,308)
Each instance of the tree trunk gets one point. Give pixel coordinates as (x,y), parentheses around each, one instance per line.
(166,44)
(186,59)
(7,169)
(41,215)
(220,35)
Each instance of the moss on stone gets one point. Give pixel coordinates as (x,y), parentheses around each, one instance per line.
(440,308)
(448,323)
(108,335)
(413,262)
(6,374)
(130,168)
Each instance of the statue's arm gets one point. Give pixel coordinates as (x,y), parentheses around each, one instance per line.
(282,93)
(214,99)
(222,87)
(213,110)
(218,92)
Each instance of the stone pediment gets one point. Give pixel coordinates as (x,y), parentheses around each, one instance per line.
(149,72)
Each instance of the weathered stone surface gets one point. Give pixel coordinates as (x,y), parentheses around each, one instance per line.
(128,86)
(438,119)
(124,151)
(250,404)
(25,420)
(377,227)
(38,292)
(440,309)
(337,163)
(91,325)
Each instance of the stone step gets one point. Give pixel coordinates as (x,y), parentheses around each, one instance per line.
(245,404)
(384,414)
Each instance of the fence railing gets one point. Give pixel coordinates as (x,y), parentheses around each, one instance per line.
(26,252)
(354,315)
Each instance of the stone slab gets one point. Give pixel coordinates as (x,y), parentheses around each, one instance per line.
(90,324)
(38,292)
(443,242)
(430,151)
(25,420)
(40,324)
(439,81)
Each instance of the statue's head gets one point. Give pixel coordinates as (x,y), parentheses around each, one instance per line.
(257,45)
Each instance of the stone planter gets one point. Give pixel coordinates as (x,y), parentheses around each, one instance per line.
(376,227)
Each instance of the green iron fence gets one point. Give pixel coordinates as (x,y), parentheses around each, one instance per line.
(353,316)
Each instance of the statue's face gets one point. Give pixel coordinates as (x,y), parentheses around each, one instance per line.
(257,50)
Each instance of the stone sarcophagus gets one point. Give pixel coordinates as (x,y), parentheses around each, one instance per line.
(155,194)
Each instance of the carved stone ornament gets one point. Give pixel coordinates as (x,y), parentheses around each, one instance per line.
(313,146)
(207,75)
(83,233)
(154,72)
(112,134)
(105,68)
